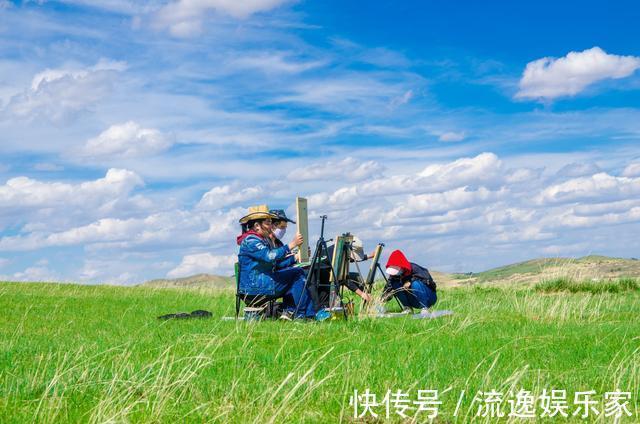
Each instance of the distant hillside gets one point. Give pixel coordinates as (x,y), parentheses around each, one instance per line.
(532,271)
(194,281)
(586,268)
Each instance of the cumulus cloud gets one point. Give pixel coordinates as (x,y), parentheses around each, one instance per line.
(601,186)
(184,18)
(549,78)
(60,95)
(471,202)
(227,195)
(483,170)
(127,140)
(204,263)
(348,169)
(36,273)
(26,192)
(37,205)
(438,203)
(632,170)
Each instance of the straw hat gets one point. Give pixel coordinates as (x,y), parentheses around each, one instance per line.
(258,212)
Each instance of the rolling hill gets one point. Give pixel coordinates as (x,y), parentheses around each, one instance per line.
(194,281)
(586,268)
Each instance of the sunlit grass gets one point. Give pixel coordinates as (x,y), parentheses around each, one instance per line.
(98,354)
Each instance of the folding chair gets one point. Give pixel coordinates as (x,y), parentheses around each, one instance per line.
(242,297)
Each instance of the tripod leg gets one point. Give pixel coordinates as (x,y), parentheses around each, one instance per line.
(311,283)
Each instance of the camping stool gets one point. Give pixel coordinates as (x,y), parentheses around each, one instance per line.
(253,314)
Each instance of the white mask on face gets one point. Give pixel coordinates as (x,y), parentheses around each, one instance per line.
(279,232)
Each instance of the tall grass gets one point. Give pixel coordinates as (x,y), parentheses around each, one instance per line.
(565,284)
(99,355)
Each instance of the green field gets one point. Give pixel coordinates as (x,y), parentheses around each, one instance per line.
(71,353)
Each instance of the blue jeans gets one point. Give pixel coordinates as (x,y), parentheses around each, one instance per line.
(418,296)
(289,284)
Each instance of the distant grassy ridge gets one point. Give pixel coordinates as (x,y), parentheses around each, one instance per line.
(194,281)
(532,271)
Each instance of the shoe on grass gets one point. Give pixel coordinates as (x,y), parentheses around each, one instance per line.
(425,312)
(286,316)
(322,315)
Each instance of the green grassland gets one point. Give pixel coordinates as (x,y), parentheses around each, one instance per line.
(97,354)
(588,267)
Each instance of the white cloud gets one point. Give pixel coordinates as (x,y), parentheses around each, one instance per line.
(184,18)
(26,192)
(452,136)
(600,187)
(59,95)
(54,206)
(482,169)
(204,263)
(402,99)
(477,202)
(274,62)
(439,203)
(347,94)
(632,170)
(127,140)
(227,195)
(579,169)
(36,273)
(48,167)
(348,169)
(549,78)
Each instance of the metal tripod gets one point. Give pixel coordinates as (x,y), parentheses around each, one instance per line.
(321,257)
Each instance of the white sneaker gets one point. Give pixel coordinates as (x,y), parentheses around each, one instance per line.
(286,316)
(425,312)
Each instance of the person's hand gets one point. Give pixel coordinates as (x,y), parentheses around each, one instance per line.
(366,297)
(407,285)
(297,241)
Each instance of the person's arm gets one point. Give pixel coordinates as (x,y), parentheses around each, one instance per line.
(287,262)
(365,296)
(260,250)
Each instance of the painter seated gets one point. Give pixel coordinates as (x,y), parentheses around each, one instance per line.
(410,283)
(261,279)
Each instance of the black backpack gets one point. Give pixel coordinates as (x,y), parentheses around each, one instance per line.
(422,274)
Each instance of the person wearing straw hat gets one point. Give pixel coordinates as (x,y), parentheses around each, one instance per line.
(259,279)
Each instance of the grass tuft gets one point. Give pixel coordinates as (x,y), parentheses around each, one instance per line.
(565,284)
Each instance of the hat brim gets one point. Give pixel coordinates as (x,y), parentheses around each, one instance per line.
(257,215)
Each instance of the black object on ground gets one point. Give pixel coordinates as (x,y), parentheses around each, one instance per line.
(199,313)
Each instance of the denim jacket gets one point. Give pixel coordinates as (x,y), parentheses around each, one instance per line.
(287,262)
(258,261)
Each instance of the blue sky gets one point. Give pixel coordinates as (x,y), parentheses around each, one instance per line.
(133,135)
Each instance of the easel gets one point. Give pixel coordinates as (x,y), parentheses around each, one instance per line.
(321,257)
(375,266)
